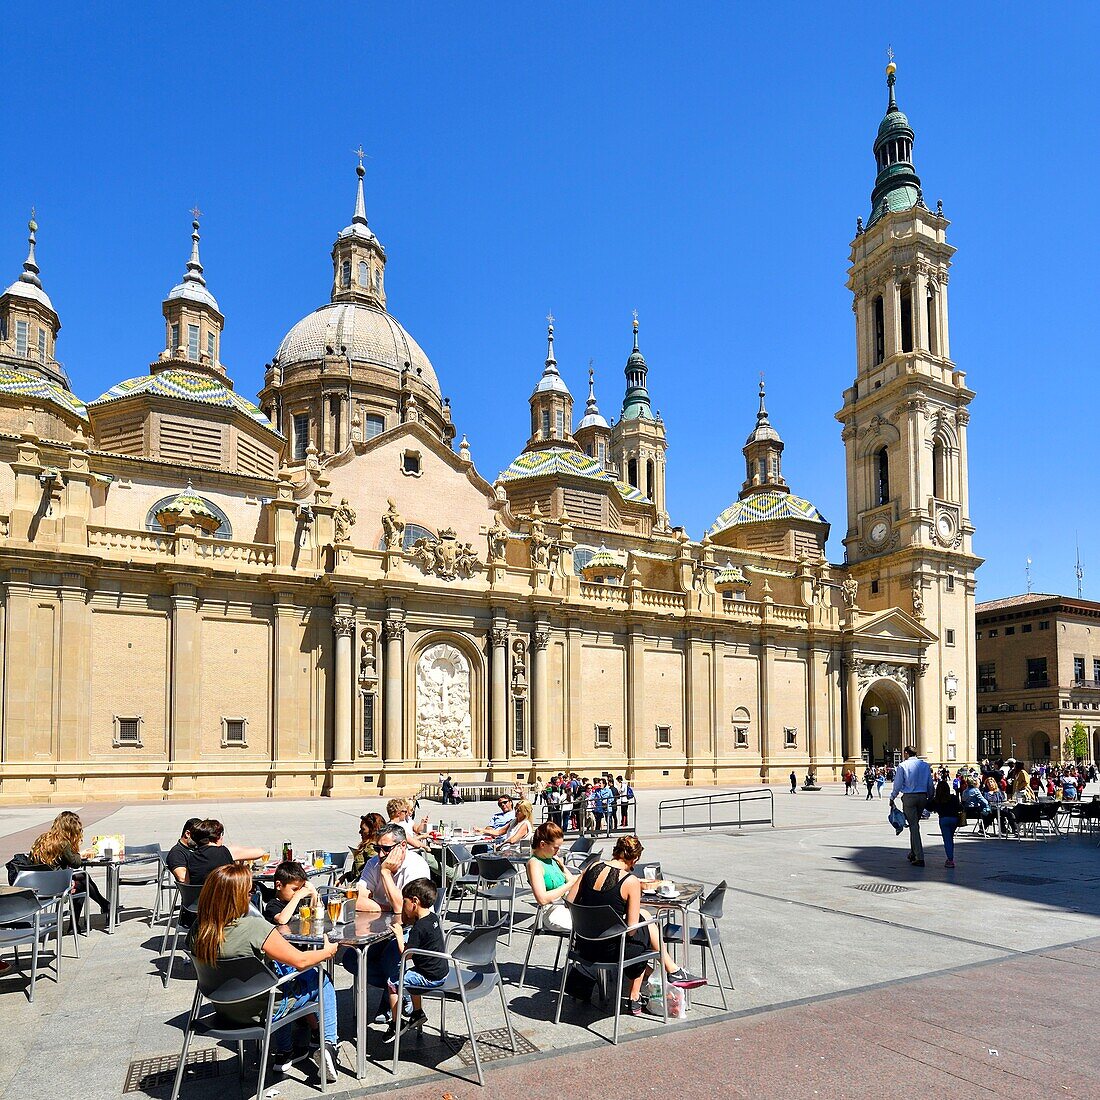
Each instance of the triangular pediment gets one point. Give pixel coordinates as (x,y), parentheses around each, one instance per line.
(893,625)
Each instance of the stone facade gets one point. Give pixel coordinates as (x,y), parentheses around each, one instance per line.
(320,594)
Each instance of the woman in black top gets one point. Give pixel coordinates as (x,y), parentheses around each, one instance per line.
(611,883)
(209,851)
(946,803)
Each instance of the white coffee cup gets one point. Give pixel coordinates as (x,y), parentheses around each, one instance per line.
(668,889)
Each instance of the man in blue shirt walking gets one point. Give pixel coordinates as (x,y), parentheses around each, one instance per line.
(913,781)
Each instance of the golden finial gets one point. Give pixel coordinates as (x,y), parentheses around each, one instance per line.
(32,225)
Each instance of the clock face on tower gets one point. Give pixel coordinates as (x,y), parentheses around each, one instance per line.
(945,528)
(879,532)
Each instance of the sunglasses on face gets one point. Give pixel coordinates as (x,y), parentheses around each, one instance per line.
(385,849)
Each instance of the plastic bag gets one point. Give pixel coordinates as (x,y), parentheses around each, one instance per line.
(678,1001)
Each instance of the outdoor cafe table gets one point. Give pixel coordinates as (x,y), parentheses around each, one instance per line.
(114,867)
(687,894)
(356,935)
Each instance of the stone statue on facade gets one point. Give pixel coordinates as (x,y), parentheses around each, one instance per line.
(445,556)
(497,538)
(850,588)
(519,668)
(393,527)
(539,543)
(918,601)
(344,520)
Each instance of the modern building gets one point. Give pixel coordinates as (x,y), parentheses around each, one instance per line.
(321,594)
(1038,675)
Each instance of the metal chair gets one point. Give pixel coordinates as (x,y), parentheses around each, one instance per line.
(230,983)
(538,928)
(602,924)
(20,924)
(707,937)
(189,905)
(578,850)
(462,882)
(54,890)
(143,872)
(496,882)
(473,974)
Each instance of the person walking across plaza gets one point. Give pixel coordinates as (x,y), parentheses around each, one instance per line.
(948,806)
(794,782)
(913,781)
(869,782)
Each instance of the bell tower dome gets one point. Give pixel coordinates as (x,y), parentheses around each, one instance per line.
(358,258)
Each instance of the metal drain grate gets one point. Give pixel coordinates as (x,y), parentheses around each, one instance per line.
(492,1046)
(149,1074)
(1026,880)
(881,888)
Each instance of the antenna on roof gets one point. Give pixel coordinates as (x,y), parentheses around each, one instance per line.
(1078,570)
(1027,571)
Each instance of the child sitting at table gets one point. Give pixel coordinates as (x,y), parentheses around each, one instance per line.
(292,889)
(426,972)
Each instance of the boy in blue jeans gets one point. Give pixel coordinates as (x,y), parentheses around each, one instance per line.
(417,927)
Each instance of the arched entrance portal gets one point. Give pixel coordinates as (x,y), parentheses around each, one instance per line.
(884,721)
(1040,747)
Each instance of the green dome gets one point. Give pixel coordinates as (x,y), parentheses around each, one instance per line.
(892,122)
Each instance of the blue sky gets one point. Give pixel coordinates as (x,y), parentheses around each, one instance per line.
(702,163)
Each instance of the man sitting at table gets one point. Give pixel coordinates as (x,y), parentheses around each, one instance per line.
(176,860)
(211,851)
(501,821)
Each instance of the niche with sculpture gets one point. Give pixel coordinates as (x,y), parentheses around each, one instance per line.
(443,704)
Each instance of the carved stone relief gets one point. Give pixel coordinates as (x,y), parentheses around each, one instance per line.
(867,671)
(443,701)
(445,556)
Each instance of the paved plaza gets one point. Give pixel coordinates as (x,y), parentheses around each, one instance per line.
(980,979)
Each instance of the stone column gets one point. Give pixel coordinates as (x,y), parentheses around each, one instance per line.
(941,301)
(891,302)
(285,733)
(75,669)
(812,715)
(393,691)
(766,656)
(854,738)
(540,671)
(186,663)
(344,627)
(498,735)
(919,297)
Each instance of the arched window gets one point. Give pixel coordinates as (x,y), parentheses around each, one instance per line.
(649,482)
(882,477)
(581,557)
(933,328)
(907,318)
(225,528)
(632,472)
(345,273)
(880,330)
(939,470)
(364,274)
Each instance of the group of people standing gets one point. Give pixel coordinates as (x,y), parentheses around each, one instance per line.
(596,806)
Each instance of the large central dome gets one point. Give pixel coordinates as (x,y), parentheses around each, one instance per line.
(365,332)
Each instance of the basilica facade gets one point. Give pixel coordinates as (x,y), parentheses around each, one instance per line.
(320,593)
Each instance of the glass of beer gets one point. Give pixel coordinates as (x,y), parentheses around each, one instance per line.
(305,913)
(335,908)
(318,860)
(351,892)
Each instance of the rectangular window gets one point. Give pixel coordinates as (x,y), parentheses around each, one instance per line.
(603,737)
(978,635)
(949,637)
(741,737)
(951,712)
(1029,706)
(559,424)
(950,582)
(233,732)
(127,732)
(1044,624)
(989,743)
(175,345)
(1036,672)
(373,425)
(519,727)
(410,462)
(790,737)
(1026,628)
(545,423)
(987,676)
(993,633)
(210,347)
(874,587)
(21,339)
(193,343)
(301,435)
(1047,706)
(42,345)
(1009,630)
(664,737)
(368,748)
(1096,671)
(1078,669)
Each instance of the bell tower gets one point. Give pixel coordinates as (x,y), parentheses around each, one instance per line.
(358,258)
(905,416)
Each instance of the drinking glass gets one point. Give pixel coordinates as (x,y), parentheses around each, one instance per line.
(305,913)
(335,908)
(351,892)
(318,860)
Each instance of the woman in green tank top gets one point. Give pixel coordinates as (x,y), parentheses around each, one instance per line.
(549,878)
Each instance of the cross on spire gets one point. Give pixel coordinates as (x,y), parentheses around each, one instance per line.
(196,213)
(550,317)
(889,53)
(359,153)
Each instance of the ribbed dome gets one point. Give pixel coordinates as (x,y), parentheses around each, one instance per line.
(29,290)
(369,334)
(764,507)
(29,385)
(893,121)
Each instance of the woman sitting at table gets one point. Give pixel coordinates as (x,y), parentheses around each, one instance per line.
(210,851)
(549,878)
(609,882)
(224,930)
(370,829)
(60,847)
(522,827)
(995,796)
(401,811)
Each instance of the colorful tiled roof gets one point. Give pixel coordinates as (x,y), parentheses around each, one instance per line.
(185,385)
(765,507)
(190,501)
(555,461)
(732,576)
(28,385)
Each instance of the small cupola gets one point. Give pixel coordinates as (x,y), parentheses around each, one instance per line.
(551,404)
(358,258)
(763,453)
(593,433)
(897,185)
